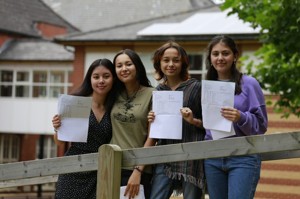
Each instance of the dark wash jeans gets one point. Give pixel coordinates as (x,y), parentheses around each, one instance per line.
(232,177)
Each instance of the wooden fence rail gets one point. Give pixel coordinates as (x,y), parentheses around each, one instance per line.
(111,159)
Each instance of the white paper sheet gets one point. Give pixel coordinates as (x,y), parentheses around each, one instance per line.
(221,134)
(74,112)
(215,95)
(141,194)
(168,119)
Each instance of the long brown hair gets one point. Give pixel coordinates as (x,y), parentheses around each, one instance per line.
(184,74)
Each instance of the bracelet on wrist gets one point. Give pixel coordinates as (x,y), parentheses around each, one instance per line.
(138,169)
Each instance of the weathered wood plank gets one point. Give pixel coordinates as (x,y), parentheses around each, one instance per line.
(28,181)
(213,149)
(280,155)
(49,179)
(271,147)
(48,167)
(109,175)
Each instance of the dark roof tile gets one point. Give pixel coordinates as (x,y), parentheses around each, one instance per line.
(33,49)
(19,16)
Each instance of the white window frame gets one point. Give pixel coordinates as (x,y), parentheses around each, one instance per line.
(202,70)
(48,84)
(50,148)
(10,145)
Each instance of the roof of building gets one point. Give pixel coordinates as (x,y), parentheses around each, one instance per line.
(35,50)
(202,23)
(193,25)
(18,17)
(90,15)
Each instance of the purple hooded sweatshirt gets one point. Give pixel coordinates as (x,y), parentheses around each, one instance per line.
(251,104)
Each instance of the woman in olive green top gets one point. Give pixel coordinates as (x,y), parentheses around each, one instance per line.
(129,117)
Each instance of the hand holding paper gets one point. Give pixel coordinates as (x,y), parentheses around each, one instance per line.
(141,194)
(168,119)
(74,112)
(215,95)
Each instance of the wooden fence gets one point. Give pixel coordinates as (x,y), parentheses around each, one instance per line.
(111,159)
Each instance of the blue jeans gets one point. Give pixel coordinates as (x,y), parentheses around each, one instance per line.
(163,186)
(232,177)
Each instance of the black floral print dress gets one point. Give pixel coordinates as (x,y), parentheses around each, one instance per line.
(82,185)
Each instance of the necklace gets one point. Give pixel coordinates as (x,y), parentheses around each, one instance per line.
(128,103)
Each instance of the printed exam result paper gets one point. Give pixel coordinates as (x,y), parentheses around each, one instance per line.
(214,96)
(168,120)
(141,194)
(74,112)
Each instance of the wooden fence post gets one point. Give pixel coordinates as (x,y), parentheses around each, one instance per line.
(109,172)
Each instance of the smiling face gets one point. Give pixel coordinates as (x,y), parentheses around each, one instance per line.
(125,69)
(222,59)
(101,80)
(171,63)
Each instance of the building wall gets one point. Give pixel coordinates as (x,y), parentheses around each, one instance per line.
(3,38)
(28,147)
(27,115)
(49,30)
(280,179)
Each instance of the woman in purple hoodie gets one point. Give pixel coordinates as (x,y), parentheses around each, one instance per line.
(235,177)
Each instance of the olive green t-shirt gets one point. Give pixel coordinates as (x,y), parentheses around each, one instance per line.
(129,119)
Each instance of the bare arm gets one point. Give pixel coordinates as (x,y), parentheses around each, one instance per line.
(133,185)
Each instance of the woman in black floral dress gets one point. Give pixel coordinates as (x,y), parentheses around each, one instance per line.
(100,84)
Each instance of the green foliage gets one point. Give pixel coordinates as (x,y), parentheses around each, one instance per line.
(279,71)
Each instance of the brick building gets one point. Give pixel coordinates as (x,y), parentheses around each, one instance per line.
(106,27)
(33,71)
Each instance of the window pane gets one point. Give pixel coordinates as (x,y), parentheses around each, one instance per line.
(6,91)
(195,62)
(6,76)
(69,76)
(22,91)
(11,148)
(6,144)
(22,76)
(69,90)
(56,90)
(40,76)
(39,91)
(15,148)
(49,147)
(57,77)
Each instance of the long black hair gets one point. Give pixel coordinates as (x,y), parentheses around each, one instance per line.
(86,88)
(212,74)
(141,75)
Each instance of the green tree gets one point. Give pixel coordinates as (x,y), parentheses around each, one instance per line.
(279,71)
